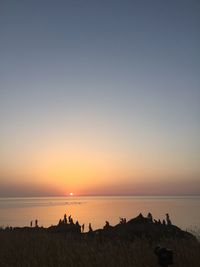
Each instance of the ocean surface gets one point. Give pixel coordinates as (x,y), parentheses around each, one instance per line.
(184,211)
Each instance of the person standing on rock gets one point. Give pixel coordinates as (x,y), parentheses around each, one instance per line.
(168,219)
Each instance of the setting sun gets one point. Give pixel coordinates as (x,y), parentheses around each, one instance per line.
(71,194)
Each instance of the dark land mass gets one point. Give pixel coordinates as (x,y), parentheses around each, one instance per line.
(129,243)
(135,228)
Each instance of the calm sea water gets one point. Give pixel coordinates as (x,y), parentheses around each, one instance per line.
(184,211)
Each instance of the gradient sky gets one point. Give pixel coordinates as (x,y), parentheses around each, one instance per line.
(99,97)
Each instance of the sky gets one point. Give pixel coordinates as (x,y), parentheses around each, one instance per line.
(99,97)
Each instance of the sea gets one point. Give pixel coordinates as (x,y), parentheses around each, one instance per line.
(183,211)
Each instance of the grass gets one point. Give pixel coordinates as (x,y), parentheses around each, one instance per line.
(38,249)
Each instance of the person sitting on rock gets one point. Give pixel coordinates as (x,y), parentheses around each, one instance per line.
(107,225)
(71,221)
(122,220)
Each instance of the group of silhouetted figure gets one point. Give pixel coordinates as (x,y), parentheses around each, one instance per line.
(149,218)
(69,221)
(166,221)
(81,228)
(36,223)
(122,220)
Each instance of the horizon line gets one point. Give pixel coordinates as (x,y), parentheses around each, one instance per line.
(106,195)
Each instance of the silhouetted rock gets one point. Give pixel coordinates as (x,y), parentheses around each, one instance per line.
(142,227)
(137,227)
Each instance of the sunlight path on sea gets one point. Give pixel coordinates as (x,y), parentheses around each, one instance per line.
(184,211)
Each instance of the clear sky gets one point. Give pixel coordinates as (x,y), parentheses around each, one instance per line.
(99,97)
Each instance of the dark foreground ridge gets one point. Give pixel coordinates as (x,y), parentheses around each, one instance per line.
(138,227)
(139,242)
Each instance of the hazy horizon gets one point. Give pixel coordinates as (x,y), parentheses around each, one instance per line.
(50,195)
(99,97)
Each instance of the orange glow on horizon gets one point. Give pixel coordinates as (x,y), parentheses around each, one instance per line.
(85,168)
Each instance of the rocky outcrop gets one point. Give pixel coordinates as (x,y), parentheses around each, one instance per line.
(142,227)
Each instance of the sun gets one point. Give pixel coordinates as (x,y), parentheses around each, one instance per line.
(71,194)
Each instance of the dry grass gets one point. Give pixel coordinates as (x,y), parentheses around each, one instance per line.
(53,250)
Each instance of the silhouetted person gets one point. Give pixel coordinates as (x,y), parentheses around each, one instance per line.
(150,217)
(90,227)
(165,256)
(65,219)
(60,222)
(36,223)
(77,223)
(122,220)
(164,222)
(78,226)
(107,225)
(168,219)
(31,224)
(159,221)
(83,228)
